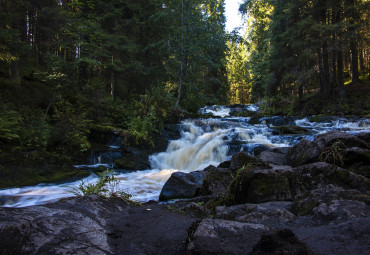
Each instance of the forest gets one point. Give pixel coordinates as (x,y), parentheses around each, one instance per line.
(71,67)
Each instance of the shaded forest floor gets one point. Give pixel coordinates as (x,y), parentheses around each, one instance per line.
(355,103)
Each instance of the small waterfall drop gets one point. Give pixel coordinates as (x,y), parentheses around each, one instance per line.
(203,142)
(194,151)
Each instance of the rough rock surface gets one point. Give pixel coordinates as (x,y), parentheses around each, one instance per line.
(182,185)
(225,237)
(308,152)
(275,156)
(282,242)
(247,204)
(92,225)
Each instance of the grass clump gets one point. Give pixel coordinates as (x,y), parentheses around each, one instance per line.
(106,186)
(332,154)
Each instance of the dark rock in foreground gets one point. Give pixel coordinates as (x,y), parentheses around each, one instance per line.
(225,237)
(284,242)
(92,225)
(247,205)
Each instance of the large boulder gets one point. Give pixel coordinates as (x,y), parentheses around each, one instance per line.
(276,156)
(315,175)
(216,181)
(182,185)
(92,225)
(305,203)
(289,130)
(325,147)
(215,236)
(283,241)
(269,212)
(254,185)
(243,159)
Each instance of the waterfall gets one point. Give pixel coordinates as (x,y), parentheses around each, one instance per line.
(203,142)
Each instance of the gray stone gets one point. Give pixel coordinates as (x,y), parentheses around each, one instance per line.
(215,236)
(182,185)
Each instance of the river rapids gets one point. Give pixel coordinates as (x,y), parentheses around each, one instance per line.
(203,142)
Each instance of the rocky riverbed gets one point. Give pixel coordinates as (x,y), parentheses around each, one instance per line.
(312,198)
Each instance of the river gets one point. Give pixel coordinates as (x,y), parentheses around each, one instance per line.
(203,142)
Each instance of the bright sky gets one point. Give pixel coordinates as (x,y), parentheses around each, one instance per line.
(233,17)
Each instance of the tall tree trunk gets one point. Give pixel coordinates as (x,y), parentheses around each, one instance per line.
(361,58)
(182,54)
(300,92)
(354,62)
(340,70)
(321,70)
(326,74)
(14,72)
(113,85)
(333,58)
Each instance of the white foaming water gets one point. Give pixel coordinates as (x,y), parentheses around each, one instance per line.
(202,143)
(252,107)
(216,110)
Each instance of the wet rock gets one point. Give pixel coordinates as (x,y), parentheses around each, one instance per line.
(242,159)
(308,152)
(132,161)
(278,121)
(257,149)
(182,185)
(316,174)
(280,243)
(215,236)
(171,132)
(273,157)
(289,130)
(216,181)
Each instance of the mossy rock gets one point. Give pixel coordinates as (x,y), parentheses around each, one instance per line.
(132,162)
(289,130)
(243,159)
(257,186)
(32,175)
(243,114)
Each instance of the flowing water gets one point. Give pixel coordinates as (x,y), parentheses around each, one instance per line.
(203,142)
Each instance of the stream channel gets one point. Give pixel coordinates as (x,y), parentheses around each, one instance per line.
(202,142)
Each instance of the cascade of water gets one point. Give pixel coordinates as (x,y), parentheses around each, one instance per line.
(202,143)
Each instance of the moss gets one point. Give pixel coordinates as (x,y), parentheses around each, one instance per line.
(124,163)
(303,208)
(28,176)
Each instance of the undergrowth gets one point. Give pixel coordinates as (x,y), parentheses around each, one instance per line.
(106,186)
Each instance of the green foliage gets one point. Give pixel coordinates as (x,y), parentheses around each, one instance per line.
(36,130)
(107,186)
(297,46)
(10,125)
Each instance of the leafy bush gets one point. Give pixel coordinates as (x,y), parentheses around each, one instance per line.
(36,130)
(10,125)
(106,186)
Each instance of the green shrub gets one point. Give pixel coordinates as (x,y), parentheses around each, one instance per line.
(106,186)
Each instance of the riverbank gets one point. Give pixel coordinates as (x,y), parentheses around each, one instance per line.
(354,103)
(283,201)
